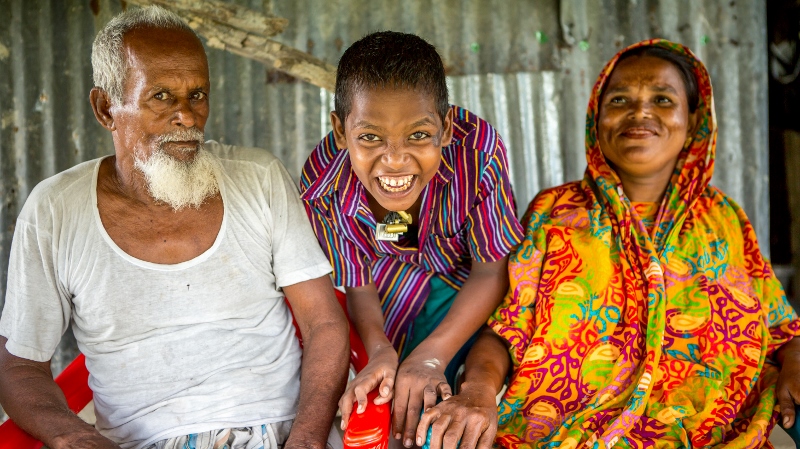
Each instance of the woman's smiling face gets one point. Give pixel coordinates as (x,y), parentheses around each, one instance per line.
(395,139)
(644,119)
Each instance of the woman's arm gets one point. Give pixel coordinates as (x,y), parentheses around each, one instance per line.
(420,377)
(470,416)
(787,390)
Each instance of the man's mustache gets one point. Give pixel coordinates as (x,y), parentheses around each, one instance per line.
(182,135)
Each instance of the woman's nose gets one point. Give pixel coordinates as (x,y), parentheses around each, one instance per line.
(640,109)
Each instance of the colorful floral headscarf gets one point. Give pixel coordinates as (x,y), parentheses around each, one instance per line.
(625,335)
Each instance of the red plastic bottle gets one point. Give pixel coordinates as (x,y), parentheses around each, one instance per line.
(369,430)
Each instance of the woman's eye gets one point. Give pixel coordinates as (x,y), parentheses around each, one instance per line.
(617,100)
(369,137)
(663,100)
(419,135)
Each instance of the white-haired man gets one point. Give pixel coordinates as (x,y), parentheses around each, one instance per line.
(172,259)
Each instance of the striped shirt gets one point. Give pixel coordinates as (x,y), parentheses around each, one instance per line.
(467,213)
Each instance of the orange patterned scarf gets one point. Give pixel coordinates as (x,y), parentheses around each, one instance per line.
(621,336)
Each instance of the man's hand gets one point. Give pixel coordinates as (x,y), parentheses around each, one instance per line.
(91,440)
(379,372)
(420,381)
(787,390)
(469,417)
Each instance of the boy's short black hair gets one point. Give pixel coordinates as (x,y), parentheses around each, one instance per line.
(394,60)
(681,62)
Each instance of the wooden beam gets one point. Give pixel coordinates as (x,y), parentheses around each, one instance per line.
(229,14)
(281,57)
(214,25)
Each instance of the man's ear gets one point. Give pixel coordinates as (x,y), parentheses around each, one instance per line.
(101,105)
(447,128)
(338,131)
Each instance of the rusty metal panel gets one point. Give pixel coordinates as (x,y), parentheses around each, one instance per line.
(527,66)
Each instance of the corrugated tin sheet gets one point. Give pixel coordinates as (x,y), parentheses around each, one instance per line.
(526,66)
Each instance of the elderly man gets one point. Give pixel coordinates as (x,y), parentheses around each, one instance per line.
(172,259)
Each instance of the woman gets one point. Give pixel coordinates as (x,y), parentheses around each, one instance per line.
(640,307)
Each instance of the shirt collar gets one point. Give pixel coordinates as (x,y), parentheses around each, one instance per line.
(339,177)
(351,192)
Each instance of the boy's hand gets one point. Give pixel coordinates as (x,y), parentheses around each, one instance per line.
(469,417)
(380,371)
(420,381)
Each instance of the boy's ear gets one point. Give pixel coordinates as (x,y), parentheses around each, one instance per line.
(338,131)
(447,128)
(101,106)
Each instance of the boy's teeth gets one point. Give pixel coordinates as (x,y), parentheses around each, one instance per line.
(395,184)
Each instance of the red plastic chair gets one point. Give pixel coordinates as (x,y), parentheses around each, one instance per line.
(369,430)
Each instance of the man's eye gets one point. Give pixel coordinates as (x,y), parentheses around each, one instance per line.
(663,100)
(419,135)
(160,96)
(199,95)
(369,137)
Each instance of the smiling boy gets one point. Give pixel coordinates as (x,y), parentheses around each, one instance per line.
(410,199)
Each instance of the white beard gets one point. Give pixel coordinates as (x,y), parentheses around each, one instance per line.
(180,183)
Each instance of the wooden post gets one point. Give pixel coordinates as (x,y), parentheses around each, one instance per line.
(791,145)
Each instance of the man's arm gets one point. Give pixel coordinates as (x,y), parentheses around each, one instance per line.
(325,360)
(32,399)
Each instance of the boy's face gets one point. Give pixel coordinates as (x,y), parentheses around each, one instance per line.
(395,139)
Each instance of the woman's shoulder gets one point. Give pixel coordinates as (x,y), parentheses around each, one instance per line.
(724,224)
(555,204)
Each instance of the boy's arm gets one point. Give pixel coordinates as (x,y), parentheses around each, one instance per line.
(420,378)
(470,416)
(364,307)
(32,399)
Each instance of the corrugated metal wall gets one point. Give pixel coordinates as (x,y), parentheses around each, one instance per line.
(525,65)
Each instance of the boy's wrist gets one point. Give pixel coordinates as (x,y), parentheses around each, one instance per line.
(381,349)
(428,355)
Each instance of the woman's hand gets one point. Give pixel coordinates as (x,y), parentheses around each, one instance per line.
(420,381)
(469,417)
(787,390)
(380,371)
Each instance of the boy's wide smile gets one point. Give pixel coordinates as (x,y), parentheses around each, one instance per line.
(396,184)
(394,138)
